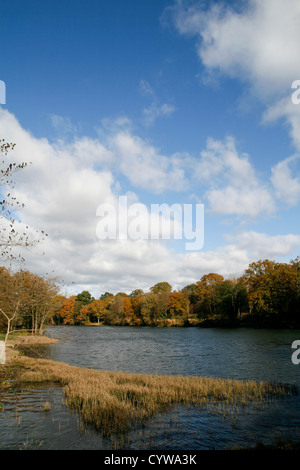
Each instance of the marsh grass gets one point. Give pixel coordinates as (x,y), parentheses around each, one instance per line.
(112,402)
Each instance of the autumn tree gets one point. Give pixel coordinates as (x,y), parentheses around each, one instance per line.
(272,290)
(136,303)
(154,307)
(36,295)
(206,293)
(148,311)
(127,311)
(57,303)
(97,309)
(177,305)
(105,295)
(190,293)
(295,302)
(136,293)
(116,314)
(81,314)
(161,287)
(67,311)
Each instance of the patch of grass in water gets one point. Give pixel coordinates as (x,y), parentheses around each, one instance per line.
(112,402)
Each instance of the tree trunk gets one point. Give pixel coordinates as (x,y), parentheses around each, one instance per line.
(3,343)
(2,352)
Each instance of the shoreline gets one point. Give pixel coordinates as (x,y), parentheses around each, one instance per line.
(28,341)
(203,325)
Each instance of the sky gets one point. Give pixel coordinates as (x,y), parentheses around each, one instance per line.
(160,102)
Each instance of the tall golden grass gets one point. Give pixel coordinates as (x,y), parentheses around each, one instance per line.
(114,401)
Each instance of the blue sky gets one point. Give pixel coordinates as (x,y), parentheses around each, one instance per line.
(164,101)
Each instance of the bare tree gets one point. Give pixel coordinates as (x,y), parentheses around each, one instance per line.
(13,234)
(9,306)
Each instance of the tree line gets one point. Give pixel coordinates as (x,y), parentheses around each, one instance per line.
(267,294)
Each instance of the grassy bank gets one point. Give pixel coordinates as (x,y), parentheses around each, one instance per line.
(113,401)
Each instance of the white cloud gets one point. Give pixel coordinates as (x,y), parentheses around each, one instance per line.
(286,173)
(263,246)
(287,186)
(241,202)
(258,43)
(145,167)
(233,187)
(63,125)
(220,160)
(290,113)
(155,111)
(146,88)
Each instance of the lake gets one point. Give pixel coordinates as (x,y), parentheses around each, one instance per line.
(243,353)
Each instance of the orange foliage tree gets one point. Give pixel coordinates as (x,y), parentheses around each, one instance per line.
(177,305)
(67,311)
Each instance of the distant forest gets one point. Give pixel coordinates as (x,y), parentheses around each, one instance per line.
(266,295)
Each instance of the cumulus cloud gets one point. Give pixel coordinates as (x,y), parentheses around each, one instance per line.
(289,112)
(263,246)
(287,186)
(145,167)
(233,187)
(257,43)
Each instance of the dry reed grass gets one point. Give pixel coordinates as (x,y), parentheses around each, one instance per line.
(113,401)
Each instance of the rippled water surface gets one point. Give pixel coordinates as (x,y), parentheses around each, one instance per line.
(238,353)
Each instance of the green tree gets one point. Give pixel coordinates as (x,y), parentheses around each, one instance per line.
(207,295)
(85,297)
(136,293)
(230,299)
(104,296)
(161,287)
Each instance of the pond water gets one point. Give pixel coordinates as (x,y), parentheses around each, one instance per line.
(246,354)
